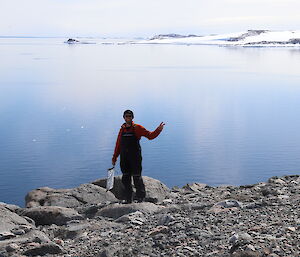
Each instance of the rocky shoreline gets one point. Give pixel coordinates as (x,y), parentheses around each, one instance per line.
(262,219)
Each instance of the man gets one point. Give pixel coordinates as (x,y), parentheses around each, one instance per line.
(128,147)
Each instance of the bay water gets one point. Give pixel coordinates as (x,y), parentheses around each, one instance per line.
(231,113)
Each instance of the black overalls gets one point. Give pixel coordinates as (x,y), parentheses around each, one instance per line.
(131,164)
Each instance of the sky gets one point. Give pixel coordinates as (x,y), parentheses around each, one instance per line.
(144,18)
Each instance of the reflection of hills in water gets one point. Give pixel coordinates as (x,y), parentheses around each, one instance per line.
(248,38)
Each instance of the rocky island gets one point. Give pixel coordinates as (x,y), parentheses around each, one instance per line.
(262,219)
(72,41)
(250,38)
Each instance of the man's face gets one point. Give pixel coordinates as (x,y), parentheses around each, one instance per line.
(128,118)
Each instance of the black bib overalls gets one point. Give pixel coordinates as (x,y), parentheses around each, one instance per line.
(131,164)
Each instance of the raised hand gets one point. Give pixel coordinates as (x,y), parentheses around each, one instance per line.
(161,126)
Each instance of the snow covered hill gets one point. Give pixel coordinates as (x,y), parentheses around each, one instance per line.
(248,38)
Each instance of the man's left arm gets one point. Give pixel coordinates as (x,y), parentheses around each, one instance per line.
(151,134)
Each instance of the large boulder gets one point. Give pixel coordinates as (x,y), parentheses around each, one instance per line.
(10,222)
(32,236)
(47,215)
(10,207)
(155,190)
(75,197)
(16,231)
(117,210)
(43,249)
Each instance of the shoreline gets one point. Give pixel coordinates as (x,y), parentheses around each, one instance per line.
(261,219)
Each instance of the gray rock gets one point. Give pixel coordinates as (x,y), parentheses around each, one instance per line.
(37,236)
(165,219)
(240,238)
(75,197)
(6,235)
(18,232)
(47,215)
(10,220)
(44,249)
(273,255)
(117,210)
(31,221)
(268,190)
(106,253)
(250,247)
(195,187)
(71,231)
(254,205)
(12,247)
(194,206)
(136,218)
(155,190)
(229,204)
(31,236)
(10,207)
(247,253)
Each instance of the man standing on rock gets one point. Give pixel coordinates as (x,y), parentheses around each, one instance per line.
(128,147)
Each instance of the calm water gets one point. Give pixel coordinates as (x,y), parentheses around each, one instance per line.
(231,114)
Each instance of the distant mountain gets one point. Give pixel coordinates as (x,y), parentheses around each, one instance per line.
(248,38)
(163,36)
(249,33)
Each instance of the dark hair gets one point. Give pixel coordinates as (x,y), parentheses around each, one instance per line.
(128,112)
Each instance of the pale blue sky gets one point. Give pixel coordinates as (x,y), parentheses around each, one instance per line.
(112,18)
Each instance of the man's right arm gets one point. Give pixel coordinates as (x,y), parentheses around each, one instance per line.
(117,148)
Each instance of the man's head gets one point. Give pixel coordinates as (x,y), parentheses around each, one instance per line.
(128,116)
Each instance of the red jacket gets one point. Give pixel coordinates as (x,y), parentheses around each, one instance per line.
(139,131)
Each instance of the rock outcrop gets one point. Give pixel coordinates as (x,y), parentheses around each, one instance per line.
(47,215)
(11,223)
(261,220)
(156,191)
(117,210)
(75,197)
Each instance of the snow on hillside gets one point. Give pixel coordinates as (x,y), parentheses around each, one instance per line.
(249,38)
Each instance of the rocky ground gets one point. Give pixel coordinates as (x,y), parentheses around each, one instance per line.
(197,220)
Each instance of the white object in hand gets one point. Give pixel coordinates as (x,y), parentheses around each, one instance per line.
(110,178)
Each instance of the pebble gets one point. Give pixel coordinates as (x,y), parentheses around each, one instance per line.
(293,229)
(6,235)
(165,219)
(158,230)
(12,247)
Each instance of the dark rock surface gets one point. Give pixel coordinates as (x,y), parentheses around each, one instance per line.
(261,220)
